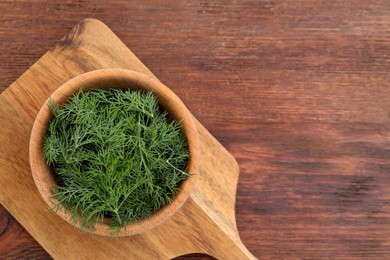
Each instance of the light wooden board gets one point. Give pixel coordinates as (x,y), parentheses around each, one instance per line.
(205,224)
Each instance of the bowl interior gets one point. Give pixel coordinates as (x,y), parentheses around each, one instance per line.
(121,79)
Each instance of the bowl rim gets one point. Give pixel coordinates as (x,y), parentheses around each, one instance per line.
(43,176)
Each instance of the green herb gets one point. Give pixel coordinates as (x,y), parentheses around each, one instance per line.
(114,154)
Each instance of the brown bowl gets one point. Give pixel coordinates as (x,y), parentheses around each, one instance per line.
(123,79)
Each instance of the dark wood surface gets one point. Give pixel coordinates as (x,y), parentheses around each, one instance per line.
(297,91)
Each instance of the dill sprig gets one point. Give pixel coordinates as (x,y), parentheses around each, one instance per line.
(116,154)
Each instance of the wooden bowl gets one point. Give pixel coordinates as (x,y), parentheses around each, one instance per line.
(123,79)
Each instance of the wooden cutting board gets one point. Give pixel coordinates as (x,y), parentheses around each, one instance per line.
(205,224)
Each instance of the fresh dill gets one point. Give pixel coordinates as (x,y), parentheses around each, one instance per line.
(114,154)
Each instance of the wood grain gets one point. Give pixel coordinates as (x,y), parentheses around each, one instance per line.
(296,90)
(206,222)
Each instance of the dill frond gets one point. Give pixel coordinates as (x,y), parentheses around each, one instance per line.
(114,154)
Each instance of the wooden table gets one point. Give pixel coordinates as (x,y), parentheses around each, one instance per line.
(297,91)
